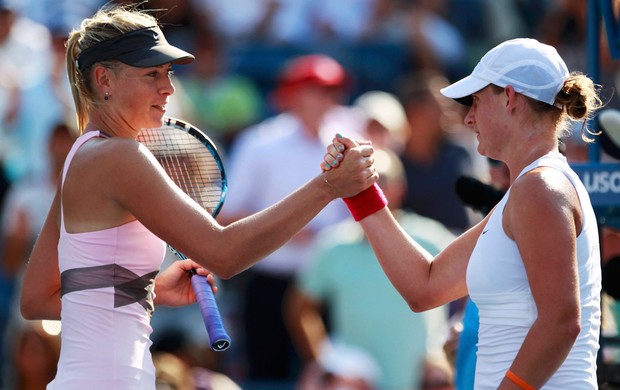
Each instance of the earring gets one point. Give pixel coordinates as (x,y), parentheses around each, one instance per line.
(107,96)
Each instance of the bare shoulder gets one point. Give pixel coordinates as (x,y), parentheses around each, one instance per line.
(543,197)
(105,181)
(112,158)
(543,184)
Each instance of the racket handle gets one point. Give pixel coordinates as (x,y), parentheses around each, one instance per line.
(218,337)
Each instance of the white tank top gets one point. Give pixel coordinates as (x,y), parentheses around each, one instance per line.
(107,283)
(498,284)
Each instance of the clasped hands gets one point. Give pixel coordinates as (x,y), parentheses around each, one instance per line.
(348,166)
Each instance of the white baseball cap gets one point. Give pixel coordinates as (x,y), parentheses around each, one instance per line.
(534,69)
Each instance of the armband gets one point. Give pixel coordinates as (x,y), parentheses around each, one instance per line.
(514,378)
(366,202)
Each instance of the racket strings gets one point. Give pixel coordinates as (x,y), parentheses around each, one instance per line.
(189,164)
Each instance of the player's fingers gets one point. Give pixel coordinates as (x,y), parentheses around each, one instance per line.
(374,175)
(188,264)
(347,143)
(332,151)
(332,158)
(366,150)
(211,280)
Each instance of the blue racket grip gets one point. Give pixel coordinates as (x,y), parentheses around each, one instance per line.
(218,337)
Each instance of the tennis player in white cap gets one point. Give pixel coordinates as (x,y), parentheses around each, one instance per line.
(532,266)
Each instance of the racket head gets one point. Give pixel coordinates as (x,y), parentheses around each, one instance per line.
(191,160)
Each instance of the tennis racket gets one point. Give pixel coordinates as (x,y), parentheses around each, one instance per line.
(191,160)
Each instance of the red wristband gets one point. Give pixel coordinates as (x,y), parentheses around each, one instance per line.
(366,202)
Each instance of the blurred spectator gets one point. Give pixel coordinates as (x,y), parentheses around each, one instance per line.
(21,40)
(437,373)
(35,353)
(28,202)
(356,21)
(234,26)
(214,99)
(340,366)
(43,89)
(434,42)
(262,171)
(303,23)
(345,282)
(273,21)
(176,369)
(50,13)
(461,347)
(386,125)
(23,213)
(433,160)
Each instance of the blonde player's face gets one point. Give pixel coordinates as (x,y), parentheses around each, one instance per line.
(141,95)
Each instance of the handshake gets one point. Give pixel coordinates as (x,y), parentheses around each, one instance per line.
(356,160)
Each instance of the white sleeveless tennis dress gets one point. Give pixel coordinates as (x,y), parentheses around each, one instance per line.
(498,284)
(107,281)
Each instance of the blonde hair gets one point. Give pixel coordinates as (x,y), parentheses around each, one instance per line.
(107,23)
(579,98)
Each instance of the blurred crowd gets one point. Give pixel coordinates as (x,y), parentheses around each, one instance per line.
(272,82)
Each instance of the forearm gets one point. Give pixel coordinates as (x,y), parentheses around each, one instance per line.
(40,293)
(37,304)
(244,242)
(543,351)
(424,281)
(406,263)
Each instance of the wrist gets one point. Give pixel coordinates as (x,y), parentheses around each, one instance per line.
(366,202)
(517,380)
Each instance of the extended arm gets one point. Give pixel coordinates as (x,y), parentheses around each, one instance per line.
(545,232)
(228,250)
(423,281)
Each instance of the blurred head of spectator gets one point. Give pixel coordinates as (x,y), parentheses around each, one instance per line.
(35,355)
(387,123)
(7,18)
(309,85)
(424,109)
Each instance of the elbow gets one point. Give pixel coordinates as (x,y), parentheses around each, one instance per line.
(27,309)
(419,308)
(418,305)
(572,325)
(224,268)
(415,307)
(572,331)
(421,301)
(566,327)
(225,274)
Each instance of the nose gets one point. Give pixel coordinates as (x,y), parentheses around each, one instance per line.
(469,119)
(167,88)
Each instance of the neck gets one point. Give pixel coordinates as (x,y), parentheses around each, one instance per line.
(110,126)
(526,155)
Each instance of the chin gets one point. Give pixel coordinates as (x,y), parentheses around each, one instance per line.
(156,122)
